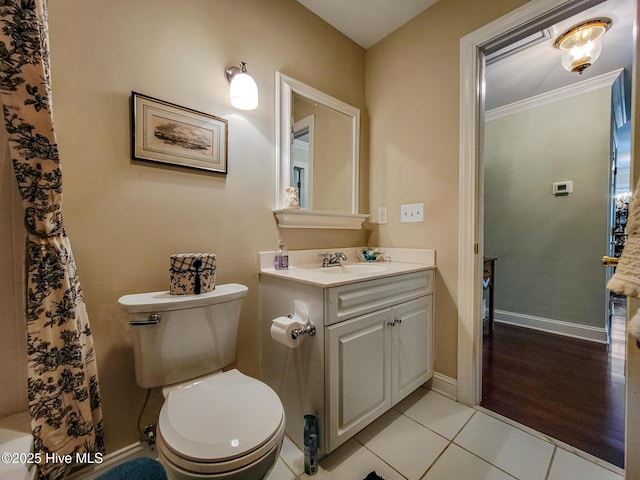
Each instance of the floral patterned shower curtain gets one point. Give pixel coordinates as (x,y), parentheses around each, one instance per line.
(64,399)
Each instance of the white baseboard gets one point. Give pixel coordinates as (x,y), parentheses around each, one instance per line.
(559,327)
(444,385)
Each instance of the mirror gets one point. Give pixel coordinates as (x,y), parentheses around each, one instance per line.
(317,152)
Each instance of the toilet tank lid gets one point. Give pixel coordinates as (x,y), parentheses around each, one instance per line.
(164,301)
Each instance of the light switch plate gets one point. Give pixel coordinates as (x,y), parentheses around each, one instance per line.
(412,213)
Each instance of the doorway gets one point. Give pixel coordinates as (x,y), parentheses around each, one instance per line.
(473,48)
(549,243)
(302,160)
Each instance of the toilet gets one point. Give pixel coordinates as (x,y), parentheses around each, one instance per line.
(213,424)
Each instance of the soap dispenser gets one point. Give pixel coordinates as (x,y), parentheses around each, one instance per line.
(282,257)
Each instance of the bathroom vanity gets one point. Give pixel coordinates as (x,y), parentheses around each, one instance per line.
(373,344)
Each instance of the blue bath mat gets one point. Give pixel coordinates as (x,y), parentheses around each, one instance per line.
(143,468)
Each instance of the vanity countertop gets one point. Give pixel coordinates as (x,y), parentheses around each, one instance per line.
(305,267)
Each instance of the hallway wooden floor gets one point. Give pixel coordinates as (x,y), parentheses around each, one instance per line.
(570,389)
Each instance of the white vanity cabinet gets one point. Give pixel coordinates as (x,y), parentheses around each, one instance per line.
(358,376)
(375,359)
(373,344)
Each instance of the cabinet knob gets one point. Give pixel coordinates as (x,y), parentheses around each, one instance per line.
(393,322)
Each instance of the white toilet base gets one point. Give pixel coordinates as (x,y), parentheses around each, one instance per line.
(256,470)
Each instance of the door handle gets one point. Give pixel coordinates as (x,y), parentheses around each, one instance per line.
(609,261)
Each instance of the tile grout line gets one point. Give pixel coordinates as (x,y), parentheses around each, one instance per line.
(489,413)
(552,441)
(436,460)
(449,441)
(464,426)
(380,458)
(553,457)
(475,454)
(288,467)
(486,461)
(423,425)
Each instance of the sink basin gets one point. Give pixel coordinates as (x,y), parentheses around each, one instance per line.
(347,269)
(357,268)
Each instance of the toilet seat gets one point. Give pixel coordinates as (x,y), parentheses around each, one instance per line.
(220,424)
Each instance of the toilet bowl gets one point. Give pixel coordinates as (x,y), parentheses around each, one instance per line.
(225,426)
(213,424)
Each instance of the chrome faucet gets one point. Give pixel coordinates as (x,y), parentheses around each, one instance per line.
(332,260)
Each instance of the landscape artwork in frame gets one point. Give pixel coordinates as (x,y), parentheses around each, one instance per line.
(170,134)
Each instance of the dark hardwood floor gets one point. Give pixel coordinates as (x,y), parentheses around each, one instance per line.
(572,390)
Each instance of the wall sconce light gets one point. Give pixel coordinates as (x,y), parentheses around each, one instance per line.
(580,45)
(243,91)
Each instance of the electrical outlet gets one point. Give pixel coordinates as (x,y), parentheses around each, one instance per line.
(412,213)
(382,215)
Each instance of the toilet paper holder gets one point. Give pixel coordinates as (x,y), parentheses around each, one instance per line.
(308,328)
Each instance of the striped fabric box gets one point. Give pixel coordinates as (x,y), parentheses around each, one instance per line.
(192,273)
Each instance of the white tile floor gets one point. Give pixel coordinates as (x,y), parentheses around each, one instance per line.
(430,437)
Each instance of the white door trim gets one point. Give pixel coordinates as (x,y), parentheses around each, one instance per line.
(470,189)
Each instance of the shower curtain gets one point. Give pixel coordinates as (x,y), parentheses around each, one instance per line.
(63,394)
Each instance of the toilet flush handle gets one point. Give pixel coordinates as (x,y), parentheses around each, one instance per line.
(154,319)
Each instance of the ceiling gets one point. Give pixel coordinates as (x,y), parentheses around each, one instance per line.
(538,69)
(367,21)
(530,72)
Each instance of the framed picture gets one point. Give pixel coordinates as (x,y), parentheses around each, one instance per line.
(166,133)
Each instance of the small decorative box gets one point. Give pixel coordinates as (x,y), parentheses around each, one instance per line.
(192,273)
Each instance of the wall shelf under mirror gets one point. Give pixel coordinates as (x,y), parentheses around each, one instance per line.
(317,152)
(300,218)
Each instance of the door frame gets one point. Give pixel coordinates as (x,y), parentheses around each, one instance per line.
(470,242)
(307,123)
(470,237)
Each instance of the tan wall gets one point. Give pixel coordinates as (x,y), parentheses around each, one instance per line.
(125,218)
(523,155)
(413,89)
(13,340)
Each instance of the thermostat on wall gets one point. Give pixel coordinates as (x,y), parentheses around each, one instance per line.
(562,188)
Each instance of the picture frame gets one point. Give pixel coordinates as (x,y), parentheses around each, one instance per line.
(165,133)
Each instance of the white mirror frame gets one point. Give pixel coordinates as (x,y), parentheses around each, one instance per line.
(302,218)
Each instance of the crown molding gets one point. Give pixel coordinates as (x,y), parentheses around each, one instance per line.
(605,80)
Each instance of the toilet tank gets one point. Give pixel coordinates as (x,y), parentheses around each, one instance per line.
(195,334)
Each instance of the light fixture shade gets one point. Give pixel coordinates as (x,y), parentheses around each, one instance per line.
(243,91)
(580,44)
(578,59)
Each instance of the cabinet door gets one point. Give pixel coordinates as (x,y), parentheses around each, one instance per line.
(412,346)
(359,386)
